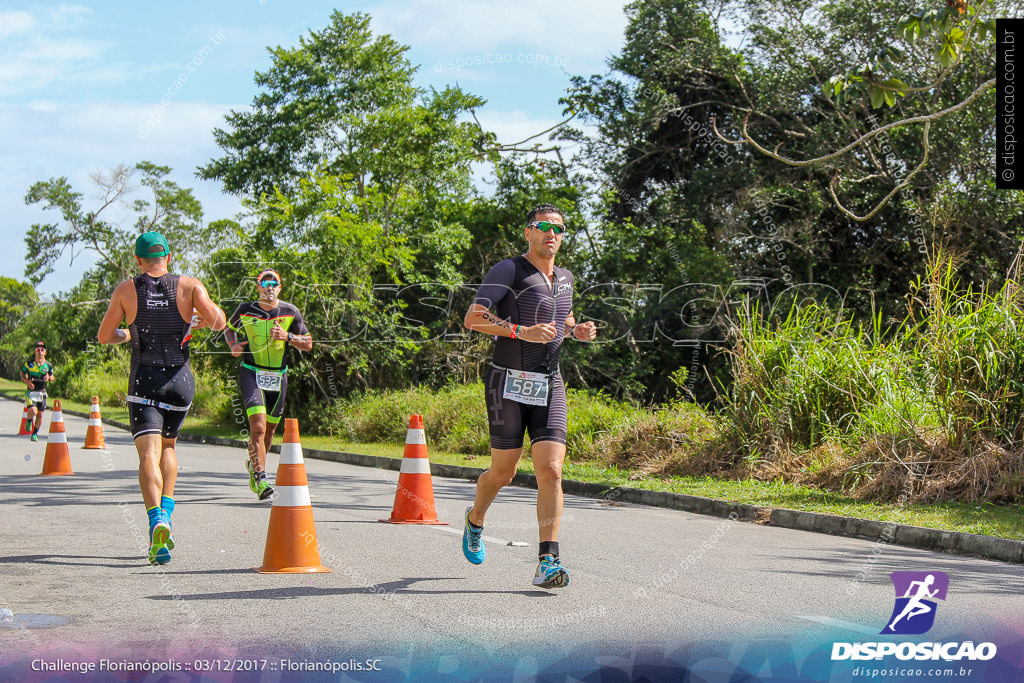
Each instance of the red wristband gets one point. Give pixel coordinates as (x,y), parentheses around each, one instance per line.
(514,328)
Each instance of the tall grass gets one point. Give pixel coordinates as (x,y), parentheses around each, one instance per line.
(930,409)
(455,419)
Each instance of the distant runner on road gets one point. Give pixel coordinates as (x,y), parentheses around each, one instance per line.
(260,332)
(161,310)
(35,374)
(531,299)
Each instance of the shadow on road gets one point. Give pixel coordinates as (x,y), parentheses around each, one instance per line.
(67,560)
(399,587)
(863,566)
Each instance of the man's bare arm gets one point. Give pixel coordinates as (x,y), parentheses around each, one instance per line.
(110,332)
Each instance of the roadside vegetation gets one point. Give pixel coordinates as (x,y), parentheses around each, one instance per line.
(838,333)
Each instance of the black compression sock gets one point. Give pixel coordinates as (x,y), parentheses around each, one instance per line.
(548,548)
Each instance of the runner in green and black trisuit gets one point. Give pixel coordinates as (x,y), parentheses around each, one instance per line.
(261,332)
(35,374)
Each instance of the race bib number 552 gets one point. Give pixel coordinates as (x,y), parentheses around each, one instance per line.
(530,388)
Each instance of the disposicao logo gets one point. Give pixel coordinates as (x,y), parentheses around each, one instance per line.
(914,614)
(916,592)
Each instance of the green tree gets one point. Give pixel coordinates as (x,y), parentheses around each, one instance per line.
(358,183)
(343,102)
(918,69)
(677,194)
(670,195)
(170,209)
(16,300)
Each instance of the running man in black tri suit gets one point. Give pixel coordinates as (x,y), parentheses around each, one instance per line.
(35,374)
(526,304)
(260,332)
(161,310)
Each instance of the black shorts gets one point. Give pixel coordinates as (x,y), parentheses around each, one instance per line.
(170,389)
(40,405)
(509,420)
(257,400)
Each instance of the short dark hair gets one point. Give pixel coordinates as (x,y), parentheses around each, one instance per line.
(150,261)
(543,208)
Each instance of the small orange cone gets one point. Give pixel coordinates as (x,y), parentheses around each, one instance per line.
(291,536)
(414,499)
(57,459)
(25,426)
(94,432)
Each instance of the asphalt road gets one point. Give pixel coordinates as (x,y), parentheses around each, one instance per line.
(651,590)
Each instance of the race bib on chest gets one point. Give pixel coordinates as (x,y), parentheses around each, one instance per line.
(530,388)
(268,381)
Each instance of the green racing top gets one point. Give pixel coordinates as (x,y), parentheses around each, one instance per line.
(254,324)
(37,373)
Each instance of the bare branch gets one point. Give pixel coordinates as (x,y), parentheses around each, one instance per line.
(510,146)
(886,198)
(927,119)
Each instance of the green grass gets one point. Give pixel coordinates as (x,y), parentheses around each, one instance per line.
(987,519)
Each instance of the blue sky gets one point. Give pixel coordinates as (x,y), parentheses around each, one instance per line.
(81,83)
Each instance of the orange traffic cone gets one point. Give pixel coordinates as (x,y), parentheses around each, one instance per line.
(291,536)
(94,432)
(414,499)
(57,459)
(25,426)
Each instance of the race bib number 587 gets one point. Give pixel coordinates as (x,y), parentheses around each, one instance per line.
(530,388)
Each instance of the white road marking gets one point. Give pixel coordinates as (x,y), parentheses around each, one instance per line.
(489,539)
(848,625)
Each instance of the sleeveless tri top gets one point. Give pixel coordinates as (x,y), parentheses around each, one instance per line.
(158,330)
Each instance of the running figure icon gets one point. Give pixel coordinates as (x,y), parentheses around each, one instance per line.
(917,596)
(914,606)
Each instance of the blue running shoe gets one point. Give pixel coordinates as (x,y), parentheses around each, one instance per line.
(159,552)
(472,543)
(166,508)
(170,532)
(551,573)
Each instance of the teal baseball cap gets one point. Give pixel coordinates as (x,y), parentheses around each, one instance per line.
(151,245)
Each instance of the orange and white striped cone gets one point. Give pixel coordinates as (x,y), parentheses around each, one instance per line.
(25,426)
(57,459)
(94,432)
(291,547)
(414,499)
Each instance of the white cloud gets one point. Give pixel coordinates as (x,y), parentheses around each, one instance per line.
(38,53)
(581,31)
(42,105)
(76,141)
(13,23)
(65,16)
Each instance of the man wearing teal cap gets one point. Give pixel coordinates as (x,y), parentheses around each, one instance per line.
(161,310)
